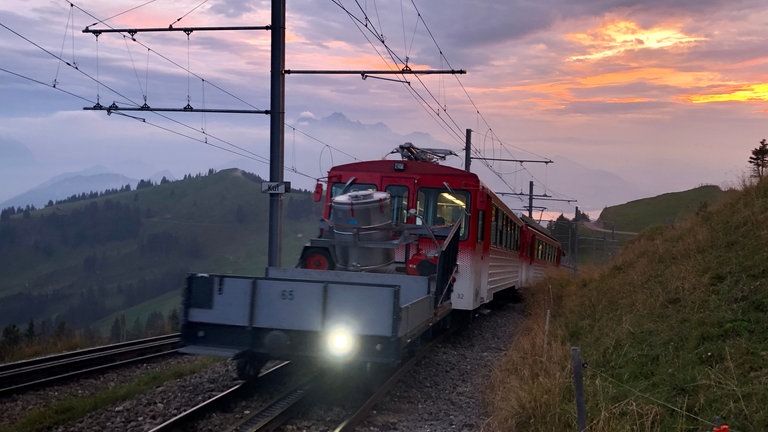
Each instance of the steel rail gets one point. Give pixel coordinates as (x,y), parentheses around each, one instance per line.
(184,420)
(28,374)
(355,419)
(70,354)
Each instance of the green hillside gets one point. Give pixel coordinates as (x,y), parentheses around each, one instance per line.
(674,332)
(665,209)
(617,225)
(86,261)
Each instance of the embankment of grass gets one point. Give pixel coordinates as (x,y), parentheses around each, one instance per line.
(674,333)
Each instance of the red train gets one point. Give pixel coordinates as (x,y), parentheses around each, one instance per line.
(404,245)
(498,250)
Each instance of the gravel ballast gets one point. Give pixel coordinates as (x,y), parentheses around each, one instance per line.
(442,393)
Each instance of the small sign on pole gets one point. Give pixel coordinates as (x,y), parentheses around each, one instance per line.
(276,187)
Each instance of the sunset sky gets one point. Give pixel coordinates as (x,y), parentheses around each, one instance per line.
(663,95)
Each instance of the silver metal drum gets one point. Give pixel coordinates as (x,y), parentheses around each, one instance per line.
(360,220)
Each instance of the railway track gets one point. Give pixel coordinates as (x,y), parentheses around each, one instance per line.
(240,392)
(350,395)
(365,405)
(27,374)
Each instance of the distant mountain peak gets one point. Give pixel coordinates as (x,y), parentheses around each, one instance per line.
(65,185)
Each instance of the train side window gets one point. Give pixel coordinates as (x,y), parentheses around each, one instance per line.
(443,206)
(500,230)
(494,223)
(507,232)
(503,235)
(516,241)
(399,196)
(480,226)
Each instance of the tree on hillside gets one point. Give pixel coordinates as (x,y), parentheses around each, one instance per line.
(143,184)
(11,335)
(62,331)
(115,332)
(560,228)
(759,159)
(155,324)
(580,216)
(136,331)
(29,334)
(174,323)
(6,213)
(10,340)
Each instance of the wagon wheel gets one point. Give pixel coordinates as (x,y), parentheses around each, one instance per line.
(317,259)
(248,365)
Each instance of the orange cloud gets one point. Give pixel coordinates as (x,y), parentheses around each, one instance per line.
(748,93)
(615,38)
(618,84)
(657,76)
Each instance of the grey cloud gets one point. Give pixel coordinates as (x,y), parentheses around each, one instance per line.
(237,8)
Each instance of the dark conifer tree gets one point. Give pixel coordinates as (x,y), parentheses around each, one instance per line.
(759,159)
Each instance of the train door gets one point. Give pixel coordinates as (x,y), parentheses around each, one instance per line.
(400,192)
(481,257)
(443,206)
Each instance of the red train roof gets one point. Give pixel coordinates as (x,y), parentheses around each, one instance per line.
(409,167)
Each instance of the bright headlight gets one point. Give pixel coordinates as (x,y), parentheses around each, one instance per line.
(341,342)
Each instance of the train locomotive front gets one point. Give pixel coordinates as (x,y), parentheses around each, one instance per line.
(363,309)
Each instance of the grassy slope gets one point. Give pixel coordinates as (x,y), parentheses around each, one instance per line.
(635,216)
(664,209)
(201,209)
(674,331)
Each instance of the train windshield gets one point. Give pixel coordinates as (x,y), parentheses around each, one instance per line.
(337,188)
(438,207)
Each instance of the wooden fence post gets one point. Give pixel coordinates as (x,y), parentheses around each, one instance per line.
(578,386)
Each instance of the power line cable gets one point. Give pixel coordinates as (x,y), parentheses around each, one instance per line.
(111,89)
(185,15)
(455,128)
(469,97)
(242,151)
(116,15)
(364,22)
(169,60)
(67,29)
(53,86)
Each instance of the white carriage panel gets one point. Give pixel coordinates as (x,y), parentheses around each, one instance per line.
(415,314)
(539,271)
(526,274)
(482,265)
(229,307)
(289,305)
(534,273)
(504,271)
(412,287)
(467,293)
(368,310)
